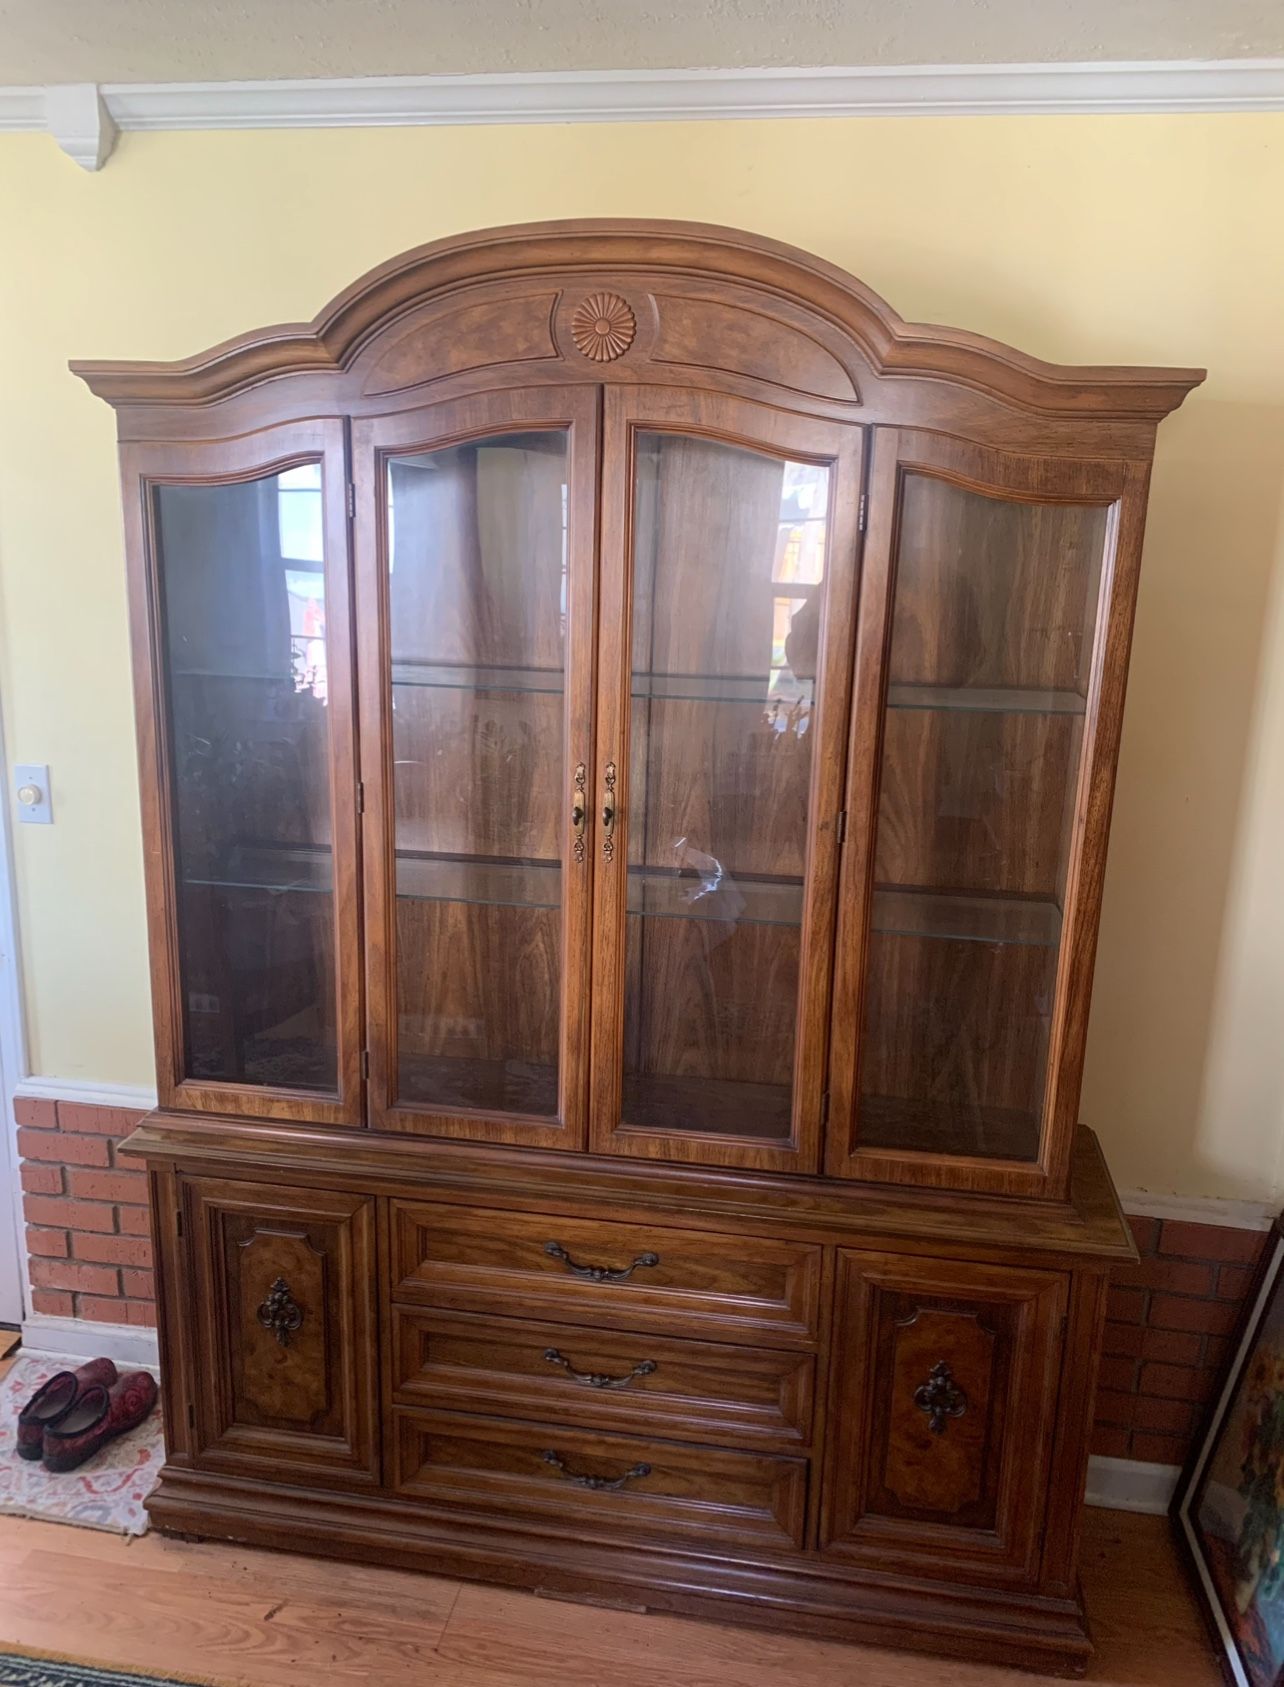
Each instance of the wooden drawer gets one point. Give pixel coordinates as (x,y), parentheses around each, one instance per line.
(281,1295)
(643,1384)
(618,1487)
(944,1404)
(603,1274)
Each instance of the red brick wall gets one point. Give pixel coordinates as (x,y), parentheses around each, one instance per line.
(1170,1317)
(1170,1322)
(88,1240)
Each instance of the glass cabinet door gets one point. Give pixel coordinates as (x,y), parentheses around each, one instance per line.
(728,564)
(475,543)
(256,1005)
(980,625)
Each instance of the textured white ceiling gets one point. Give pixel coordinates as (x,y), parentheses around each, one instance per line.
(45,41)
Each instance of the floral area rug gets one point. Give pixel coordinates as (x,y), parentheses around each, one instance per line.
(19,1670)
(108,1490)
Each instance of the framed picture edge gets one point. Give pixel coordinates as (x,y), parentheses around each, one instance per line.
(1265,1282)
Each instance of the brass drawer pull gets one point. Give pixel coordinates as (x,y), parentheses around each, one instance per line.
(599,1484)
(598,1379)
(599,1273)
(941,1398)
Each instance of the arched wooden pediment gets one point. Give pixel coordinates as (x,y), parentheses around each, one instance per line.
(609,300)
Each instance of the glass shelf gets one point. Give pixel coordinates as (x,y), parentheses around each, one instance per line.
(271,868)
(967,699)
(466,676)
(1029,921)
(654,893)
(774,685)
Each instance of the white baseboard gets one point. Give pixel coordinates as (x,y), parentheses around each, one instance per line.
(1199,1209)
(1130,1485)
(127,1344)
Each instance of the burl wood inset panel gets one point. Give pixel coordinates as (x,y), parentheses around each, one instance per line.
(297,1393)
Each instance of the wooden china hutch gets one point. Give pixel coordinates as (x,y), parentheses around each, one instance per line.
(628,728)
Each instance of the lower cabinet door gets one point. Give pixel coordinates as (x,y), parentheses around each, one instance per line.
(945,1399)
(283,1315)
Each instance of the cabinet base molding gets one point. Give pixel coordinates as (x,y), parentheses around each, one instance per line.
(1046,1635)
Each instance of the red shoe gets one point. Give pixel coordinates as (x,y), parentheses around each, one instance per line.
(54,1399)
(98,1416)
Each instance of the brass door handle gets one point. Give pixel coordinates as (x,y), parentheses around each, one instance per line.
(608,812)
(579,811)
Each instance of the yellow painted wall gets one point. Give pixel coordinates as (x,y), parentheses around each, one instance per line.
(1128,239)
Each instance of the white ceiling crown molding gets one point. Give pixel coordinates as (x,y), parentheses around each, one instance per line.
(81,118)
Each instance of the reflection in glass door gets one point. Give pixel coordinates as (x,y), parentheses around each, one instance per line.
(243,634)
(731,557)
(477,596)
(994,609)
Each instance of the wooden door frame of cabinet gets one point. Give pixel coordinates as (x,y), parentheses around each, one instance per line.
(216,1439)
(1011,1549)
(143,467)
(1119,488)
(431,428)
(768,430)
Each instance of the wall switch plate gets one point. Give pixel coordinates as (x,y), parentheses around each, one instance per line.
(35,804)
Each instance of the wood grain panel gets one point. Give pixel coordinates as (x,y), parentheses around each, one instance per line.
(976,800)
(296,1395)
(712,333)
(716,1000)
(734,1288)
(968,1497)
(479,334)
(596,1379)
(479,1019)
(992,592)
(737,1500)
(954,1046)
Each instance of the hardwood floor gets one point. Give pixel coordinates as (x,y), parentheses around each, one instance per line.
(273,1620)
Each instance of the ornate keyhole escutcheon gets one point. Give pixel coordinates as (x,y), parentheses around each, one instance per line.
(941,1398)
(279,1312)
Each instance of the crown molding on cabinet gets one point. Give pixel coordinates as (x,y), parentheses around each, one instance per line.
(84,118)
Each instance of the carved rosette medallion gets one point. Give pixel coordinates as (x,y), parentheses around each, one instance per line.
(603,327)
